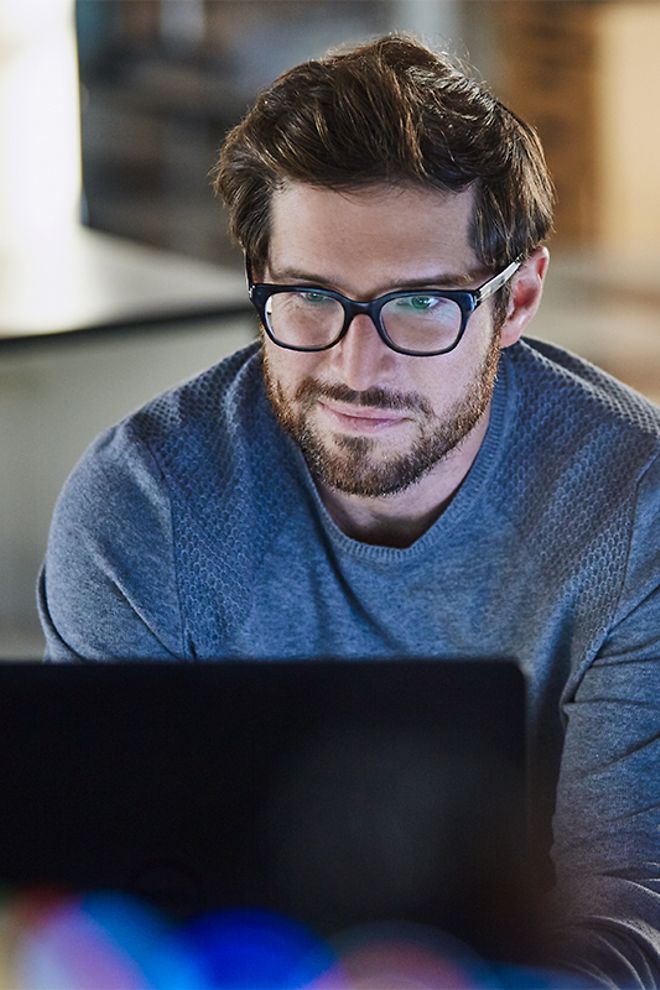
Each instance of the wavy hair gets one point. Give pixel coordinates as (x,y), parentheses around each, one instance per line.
(388,112)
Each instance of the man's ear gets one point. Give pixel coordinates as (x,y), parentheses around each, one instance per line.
(524,296)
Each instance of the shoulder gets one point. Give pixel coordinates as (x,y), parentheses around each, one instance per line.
(555,371)
(578,482)
(110,559)
(558,369)
(126,468)
(220,397)
(570,406)
(109,586)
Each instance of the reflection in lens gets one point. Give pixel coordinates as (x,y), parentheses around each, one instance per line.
(304,319)
(422,322)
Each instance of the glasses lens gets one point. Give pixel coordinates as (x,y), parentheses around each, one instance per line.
(422,322)
(306,319)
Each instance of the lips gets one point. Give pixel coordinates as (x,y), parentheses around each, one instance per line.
(361,419)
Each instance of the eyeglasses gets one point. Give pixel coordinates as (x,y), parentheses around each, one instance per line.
(422,323)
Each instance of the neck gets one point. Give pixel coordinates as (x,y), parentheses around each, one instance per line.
(399,520)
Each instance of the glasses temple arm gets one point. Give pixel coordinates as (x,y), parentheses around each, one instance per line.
(248,272)
(496,283)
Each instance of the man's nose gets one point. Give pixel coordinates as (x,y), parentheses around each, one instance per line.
(361,358)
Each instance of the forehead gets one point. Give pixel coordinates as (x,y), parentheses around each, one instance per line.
(367,239)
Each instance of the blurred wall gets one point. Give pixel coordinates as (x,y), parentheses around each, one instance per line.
(162,83)
(40,173)
(629,133)
(588,76)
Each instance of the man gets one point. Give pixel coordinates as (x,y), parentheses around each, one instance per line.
(391,470)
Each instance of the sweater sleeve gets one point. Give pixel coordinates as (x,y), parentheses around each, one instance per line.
(607,820)
(107,588)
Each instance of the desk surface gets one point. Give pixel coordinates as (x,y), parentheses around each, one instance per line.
(90,279)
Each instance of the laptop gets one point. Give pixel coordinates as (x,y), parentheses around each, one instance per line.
(336,792)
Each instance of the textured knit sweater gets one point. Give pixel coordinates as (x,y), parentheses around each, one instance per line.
(193,530)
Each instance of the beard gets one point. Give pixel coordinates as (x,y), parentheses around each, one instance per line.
(357,465)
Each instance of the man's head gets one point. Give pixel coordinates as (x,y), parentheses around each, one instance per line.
(367,172)
(388,113)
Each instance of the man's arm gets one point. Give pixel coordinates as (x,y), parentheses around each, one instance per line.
(107,588)
(607,819)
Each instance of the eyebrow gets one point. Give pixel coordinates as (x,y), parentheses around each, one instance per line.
(445,279)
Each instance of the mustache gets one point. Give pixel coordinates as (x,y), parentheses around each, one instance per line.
(310,390)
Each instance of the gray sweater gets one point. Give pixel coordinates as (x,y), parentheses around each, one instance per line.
(193,530)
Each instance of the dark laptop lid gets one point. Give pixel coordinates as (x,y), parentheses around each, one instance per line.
(336,792)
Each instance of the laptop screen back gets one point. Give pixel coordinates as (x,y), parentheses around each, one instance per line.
(336,792)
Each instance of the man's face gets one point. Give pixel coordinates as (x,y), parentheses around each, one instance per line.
(370,421)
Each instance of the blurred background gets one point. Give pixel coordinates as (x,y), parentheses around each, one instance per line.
(117,278)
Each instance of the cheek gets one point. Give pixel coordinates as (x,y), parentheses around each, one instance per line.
(440,379)
(449,377)
(288,368)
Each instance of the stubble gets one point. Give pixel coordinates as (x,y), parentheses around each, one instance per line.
(358,465)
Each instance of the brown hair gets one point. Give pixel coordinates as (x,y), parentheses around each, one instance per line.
(390,111)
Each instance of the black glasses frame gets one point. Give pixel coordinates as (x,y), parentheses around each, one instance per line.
(467,300)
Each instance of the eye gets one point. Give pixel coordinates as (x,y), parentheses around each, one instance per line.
(419,304)
(315,298)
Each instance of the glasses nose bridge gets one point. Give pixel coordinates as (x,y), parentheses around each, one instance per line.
(353,308)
